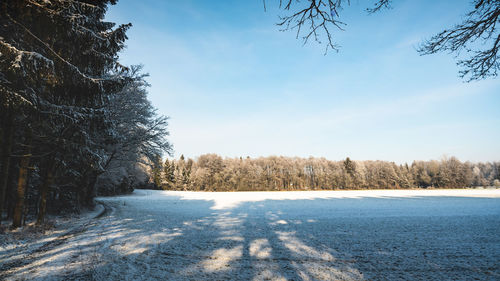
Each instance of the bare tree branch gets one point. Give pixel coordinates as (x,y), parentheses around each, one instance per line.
(318,16)
(379,5)
(477,35)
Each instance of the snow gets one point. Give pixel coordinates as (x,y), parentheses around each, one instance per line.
(313,235)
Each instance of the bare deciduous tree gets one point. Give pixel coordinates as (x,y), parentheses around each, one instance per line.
(316,16)
(478,29)
(213,173)
(477,35)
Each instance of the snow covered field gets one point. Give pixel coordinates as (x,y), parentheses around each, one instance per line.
(325,235)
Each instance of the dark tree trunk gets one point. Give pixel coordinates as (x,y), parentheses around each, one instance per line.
(21,182)
(8,135)
(21,188)
(10,195)
(91,189)
(44,190)
(87,192)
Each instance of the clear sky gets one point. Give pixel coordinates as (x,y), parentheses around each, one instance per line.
(234,85)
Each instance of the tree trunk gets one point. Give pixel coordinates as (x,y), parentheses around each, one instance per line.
(4,173)
(21,182)
(91,189)
(44,190)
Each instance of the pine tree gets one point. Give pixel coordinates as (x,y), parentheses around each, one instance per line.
(156,172)
(169,169)
(58,64)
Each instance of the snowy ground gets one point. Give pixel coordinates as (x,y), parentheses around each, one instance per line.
(332,235)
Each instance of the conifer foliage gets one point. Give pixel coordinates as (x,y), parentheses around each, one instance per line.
(60,80)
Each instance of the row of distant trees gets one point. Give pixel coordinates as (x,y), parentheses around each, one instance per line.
(70,114)
(211,172)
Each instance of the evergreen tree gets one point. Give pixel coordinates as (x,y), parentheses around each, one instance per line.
(58,71)
(169,170)
(156,172)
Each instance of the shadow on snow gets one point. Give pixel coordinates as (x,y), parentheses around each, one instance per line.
(308,239)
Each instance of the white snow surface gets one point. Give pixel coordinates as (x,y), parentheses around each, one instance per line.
(303,235)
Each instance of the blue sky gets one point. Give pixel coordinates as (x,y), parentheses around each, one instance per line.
(234,85)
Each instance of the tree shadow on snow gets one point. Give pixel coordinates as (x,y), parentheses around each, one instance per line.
(307,239)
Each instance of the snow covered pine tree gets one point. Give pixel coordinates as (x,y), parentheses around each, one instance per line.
(58,66)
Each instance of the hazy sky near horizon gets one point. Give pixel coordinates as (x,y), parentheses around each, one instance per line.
(234,85)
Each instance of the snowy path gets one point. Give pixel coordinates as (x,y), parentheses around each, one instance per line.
(351,235)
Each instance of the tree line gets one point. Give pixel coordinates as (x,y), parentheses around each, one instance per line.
(71,116)
(211,172)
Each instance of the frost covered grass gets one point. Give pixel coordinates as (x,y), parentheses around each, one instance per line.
(317,235)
